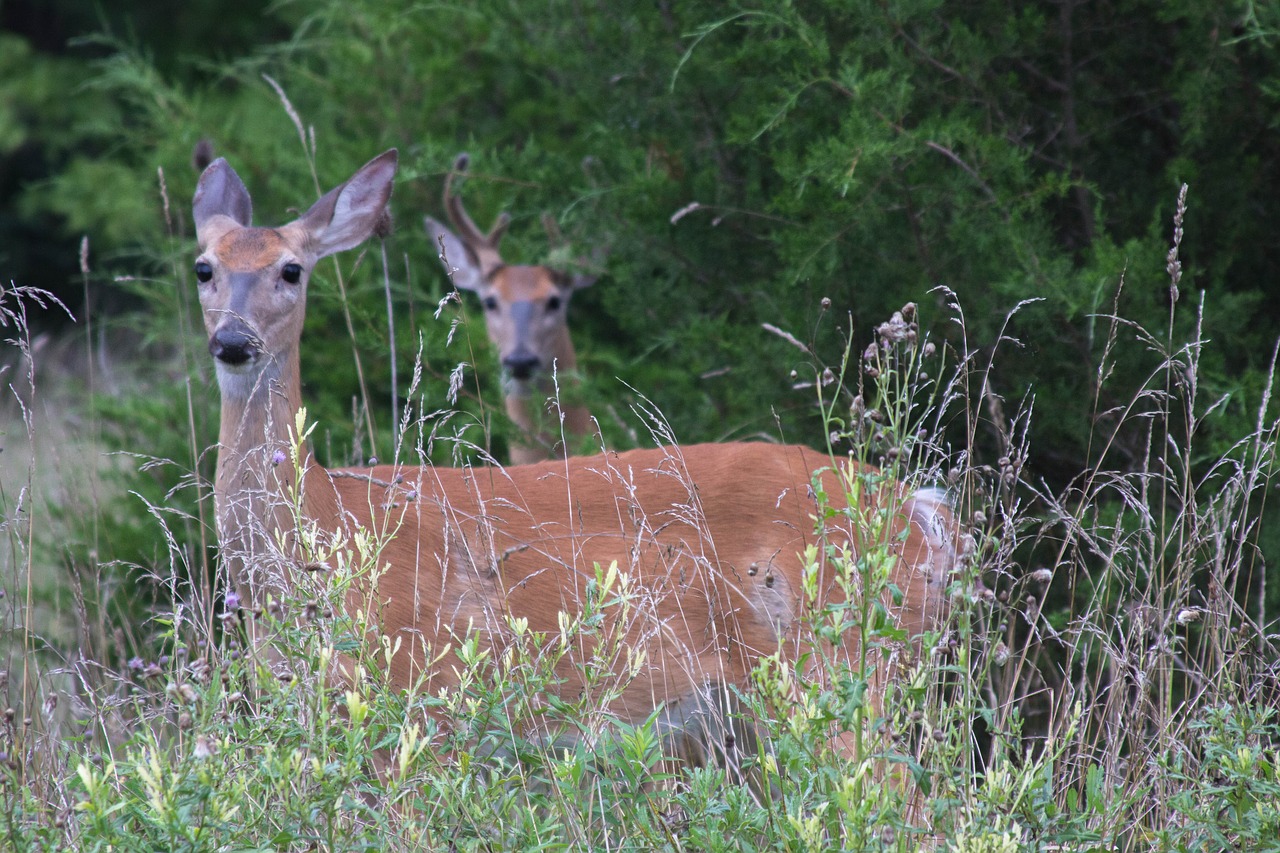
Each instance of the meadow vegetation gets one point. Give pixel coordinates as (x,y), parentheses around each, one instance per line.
(1021,254)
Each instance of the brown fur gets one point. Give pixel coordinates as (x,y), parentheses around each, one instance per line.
(711,536)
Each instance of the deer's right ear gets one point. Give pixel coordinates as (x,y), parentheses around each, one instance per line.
(459,264)
(220,193)
(346,215)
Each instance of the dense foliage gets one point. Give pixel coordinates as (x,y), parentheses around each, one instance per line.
(739,163)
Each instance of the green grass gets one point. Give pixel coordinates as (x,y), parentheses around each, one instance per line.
(1111,684)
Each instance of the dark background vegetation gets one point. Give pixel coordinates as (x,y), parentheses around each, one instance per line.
(864,152)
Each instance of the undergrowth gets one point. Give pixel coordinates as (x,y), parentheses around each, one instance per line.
(1105,680)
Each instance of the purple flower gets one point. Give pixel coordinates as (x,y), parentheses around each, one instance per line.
(232,601)
(278,457)
(136,663)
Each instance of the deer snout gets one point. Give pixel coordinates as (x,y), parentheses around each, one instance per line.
(522,364)
(233,345)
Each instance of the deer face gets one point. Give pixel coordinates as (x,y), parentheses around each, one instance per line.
(252,286)
(525,314)
(253,281)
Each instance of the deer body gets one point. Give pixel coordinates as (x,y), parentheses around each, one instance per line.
(711,536)
(525,312)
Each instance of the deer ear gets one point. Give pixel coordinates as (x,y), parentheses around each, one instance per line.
(346,215)
(220,192)
(459,264)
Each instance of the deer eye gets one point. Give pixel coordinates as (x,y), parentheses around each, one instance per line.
(204,272)
(490,303)
(553,304)
(292,273)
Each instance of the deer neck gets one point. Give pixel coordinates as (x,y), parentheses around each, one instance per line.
(260,497)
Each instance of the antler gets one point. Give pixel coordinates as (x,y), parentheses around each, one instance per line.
(483,246)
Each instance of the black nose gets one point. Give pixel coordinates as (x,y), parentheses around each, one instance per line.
(522,365)
(232,346)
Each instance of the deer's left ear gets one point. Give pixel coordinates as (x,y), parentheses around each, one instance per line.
(460,264)
(346,215)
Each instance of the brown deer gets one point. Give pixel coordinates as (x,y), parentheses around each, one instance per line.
(526,316)
(711,537)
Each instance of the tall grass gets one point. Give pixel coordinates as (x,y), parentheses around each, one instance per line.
(1106,680)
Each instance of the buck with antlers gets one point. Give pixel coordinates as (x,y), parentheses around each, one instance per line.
(526,316)
(711,537)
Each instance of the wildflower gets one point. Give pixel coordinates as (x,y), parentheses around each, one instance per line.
(136,663)
(1187,615)
(232,602)
(200,671)
(278,457)
(205,747)
(1000,654)
(896,330)
(1042,576)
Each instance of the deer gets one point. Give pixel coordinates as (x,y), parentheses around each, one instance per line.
(718,541)
(526,319)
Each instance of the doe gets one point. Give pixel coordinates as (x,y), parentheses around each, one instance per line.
(712,537)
